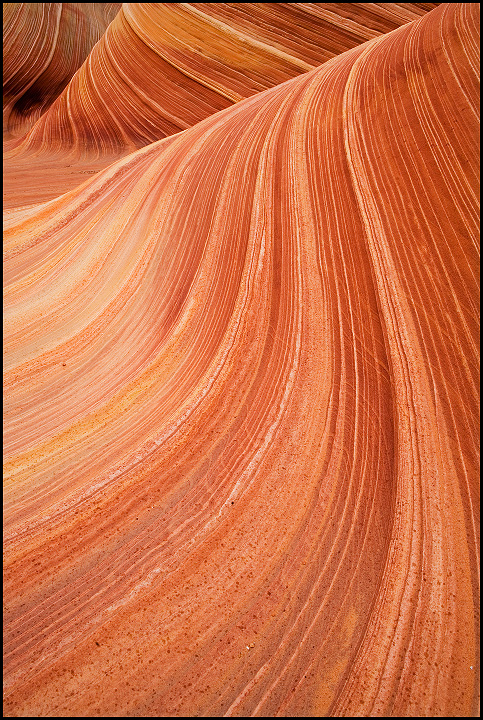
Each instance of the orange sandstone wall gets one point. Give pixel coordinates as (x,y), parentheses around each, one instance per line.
(162,67)
(241,406)
(43,46)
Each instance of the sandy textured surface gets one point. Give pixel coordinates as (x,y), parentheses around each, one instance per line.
(43,46)
(162,67)
(241,429)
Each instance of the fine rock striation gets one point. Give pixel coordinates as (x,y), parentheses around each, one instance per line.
(162,67)
(159,69)
(241,406)
(43,46)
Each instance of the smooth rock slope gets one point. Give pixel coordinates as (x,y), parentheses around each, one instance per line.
(159,69)
(43,46)
(162,67)
(241,406)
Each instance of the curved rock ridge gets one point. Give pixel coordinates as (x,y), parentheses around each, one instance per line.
(43,46)
(162,67)
(241,406)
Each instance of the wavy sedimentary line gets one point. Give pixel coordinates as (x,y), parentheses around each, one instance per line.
(162,67)
(240,420)
(39,56)
(429,488)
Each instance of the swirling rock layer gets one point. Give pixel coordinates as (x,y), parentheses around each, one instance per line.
(162,67)
(43,45)
(241,406)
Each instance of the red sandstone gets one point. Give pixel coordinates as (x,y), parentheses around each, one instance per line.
(241,397)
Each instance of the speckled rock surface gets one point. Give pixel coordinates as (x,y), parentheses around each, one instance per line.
(241,406)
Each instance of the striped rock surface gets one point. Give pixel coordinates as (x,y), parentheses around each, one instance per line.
(241,407)
(162,67)
(43,46)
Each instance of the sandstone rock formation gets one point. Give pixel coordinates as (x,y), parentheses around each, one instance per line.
(43,46)
(241,409)
(162,67)
(159,69)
